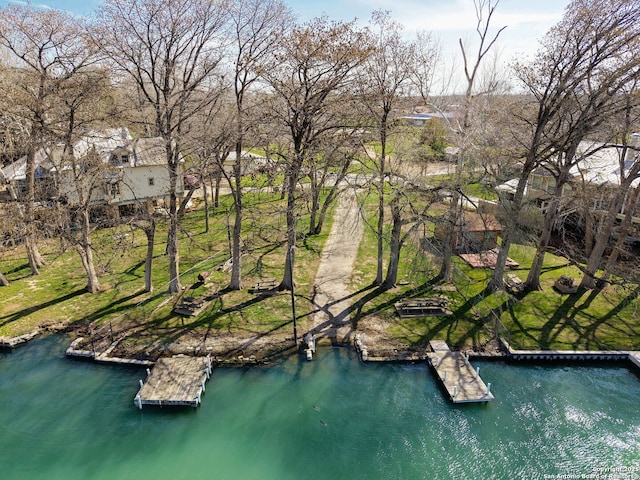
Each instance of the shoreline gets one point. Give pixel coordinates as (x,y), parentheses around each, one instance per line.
(507,353)
(371,354)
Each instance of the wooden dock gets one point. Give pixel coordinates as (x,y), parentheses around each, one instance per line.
(175,381)
(461,381)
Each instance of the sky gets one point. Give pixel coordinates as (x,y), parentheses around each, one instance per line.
(448,21)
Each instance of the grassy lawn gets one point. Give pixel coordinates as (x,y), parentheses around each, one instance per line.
(542,319)
(585,320)
(536,320)
(57,295)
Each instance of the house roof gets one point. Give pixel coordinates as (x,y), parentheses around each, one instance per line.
(143,151)
(601,164)
(147,151)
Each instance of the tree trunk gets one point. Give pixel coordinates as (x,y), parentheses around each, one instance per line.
(287,279)
(512,209)
(588,230)
(184,203)
(3,281)
(315,205)
(33,254)
(449,244)
(236,248)
(85,249)
(533,279)
(150,232)
(602,240)
(331,197)
(172,235)
(394,248)
(625,228)
(216,190)
(205,196)
(381,206)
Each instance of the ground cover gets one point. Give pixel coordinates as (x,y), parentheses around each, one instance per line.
(543,319)
(56,296)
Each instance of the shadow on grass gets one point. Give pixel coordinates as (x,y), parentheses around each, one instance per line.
(14,317)
(207,325)
(564,321)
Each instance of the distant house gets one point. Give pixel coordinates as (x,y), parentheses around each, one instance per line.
(598,171)
(421,118)
(475,232)
(132,170)
(250,163)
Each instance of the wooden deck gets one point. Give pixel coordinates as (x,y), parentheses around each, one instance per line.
(175,381)
(461,381)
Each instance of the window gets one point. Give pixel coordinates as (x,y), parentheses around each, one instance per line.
(112,190)
(152,181)
(124,158)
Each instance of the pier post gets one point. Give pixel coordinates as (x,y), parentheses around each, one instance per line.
(435,362)
(141,383)
(488,388)
(444,377)
(477,372)
(203,389)
(138,402)
(466,359)
(455,391)
(148,372)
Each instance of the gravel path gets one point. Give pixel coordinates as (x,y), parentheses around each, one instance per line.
(332,294)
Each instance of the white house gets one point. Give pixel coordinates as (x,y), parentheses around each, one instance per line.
(598,171)
(130,170)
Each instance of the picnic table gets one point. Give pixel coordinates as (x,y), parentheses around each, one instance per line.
(265,285)
(423,307)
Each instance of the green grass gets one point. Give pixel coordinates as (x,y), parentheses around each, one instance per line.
(542,319)
(537,320)
(480,190)
(57,295)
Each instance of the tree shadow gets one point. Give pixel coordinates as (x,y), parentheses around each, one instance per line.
(14,317)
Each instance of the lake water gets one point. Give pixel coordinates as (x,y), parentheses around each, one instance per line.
(333,418)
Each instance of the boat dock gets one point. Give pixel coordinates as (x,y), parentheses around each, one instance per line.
(175,381)
(457,375)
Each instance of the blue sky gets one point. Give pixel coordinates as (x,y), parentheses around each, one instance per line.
(447,20)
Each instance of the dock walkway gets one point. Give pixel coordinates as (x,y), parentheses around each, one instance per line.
(457,376)
(175,381)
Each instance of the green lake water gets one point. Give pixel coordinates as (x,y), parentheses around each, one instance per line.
(333,418)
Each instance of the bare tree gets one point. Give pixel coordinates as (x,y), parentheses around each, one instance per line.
(41,42)
(582,64)
(386,80)
(256,27)
(82,173)
(593,53)
(485,10)
(628,172)
(310,69)
(172,50)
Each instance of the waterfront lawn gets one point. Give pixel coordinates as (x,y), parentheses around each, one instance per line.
(536,320)
(57,295)
(586,320)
